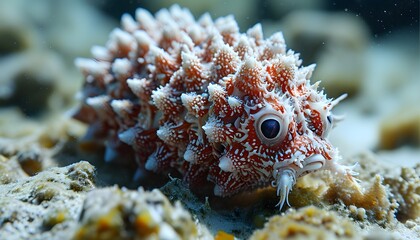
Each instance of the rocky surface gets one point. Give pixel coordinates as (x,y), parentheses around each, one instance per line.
(62,203)
(113,213)
(45,206)
(307,223)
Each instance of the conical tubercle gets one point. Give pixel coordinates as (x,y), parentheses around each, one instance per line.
(337,100)
(336,118)
(284,181)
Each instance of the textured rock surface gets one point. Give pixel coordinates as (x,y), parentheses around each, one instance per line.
(307,223)
(61,203)
(45,206)
(112,213)
(406,189)
(10,171)
(368,191)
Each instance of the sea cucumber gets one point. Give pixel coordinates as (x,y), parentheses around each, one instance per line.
(218,106)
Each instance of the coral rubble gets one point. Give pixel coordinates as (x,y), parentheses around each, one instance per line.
(307,223)
(46,205)
(406,190)
(112,213)
(63,203)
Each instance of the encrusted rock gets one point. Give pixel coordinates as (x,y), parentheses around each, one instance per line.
(10,170)
(61,203)
(406,189)
(374,199)
(307,223)
(44,206)
(113,213)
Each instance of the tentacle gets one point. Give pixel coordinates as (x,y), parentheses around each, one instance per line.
(285,180)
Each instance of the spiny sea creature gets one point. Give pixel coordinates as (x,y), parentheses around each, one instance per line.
(216,105)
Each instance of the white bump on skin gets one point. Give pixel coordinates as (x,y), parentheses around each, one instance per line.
(213,89)
(97,102)
(277,44)
(128,23)
(120,106)
(135,85)
(101,53)
(160,96)
(189,60)
(92,66)
(128,136)
(145,19)
(226,164)
(217,190)
(121,66)
(189,156)
(122,37)
(151,163)
(163,133)
(234,102)
(210,129)
(143,38)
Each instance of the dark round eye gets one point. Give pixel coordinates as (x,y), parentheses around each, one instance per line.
(270,128)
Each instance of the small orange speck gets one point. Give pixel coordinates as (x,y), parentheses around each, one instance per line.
(145,225)
(221,235)
(104,223)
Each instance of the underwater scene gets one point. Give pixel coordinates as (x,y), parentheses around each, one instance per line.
(223,119)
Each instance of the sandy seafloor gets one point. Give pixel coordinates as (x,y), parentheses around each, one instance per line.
(370,52)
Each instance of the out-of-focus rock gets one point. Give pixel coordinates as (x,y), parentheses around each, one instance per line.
(61,203)
(31,161)
(28,161)
(29,79)
(37,46)
(112,213)
(44,206)
(406,190)
(390,80)
(32,146)
(401,128)
(14,38)
(60,25)
(307,223)
(10,171)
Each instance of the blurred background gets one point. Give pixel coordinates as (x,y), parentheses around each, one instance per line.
(368,49)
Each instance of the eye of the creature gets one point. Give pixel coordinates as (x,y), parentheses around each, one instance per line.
(327,124)
(271,128)
(329,118)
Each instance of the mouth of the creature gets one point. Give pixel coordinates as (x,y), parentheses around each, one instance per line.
(285,177)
